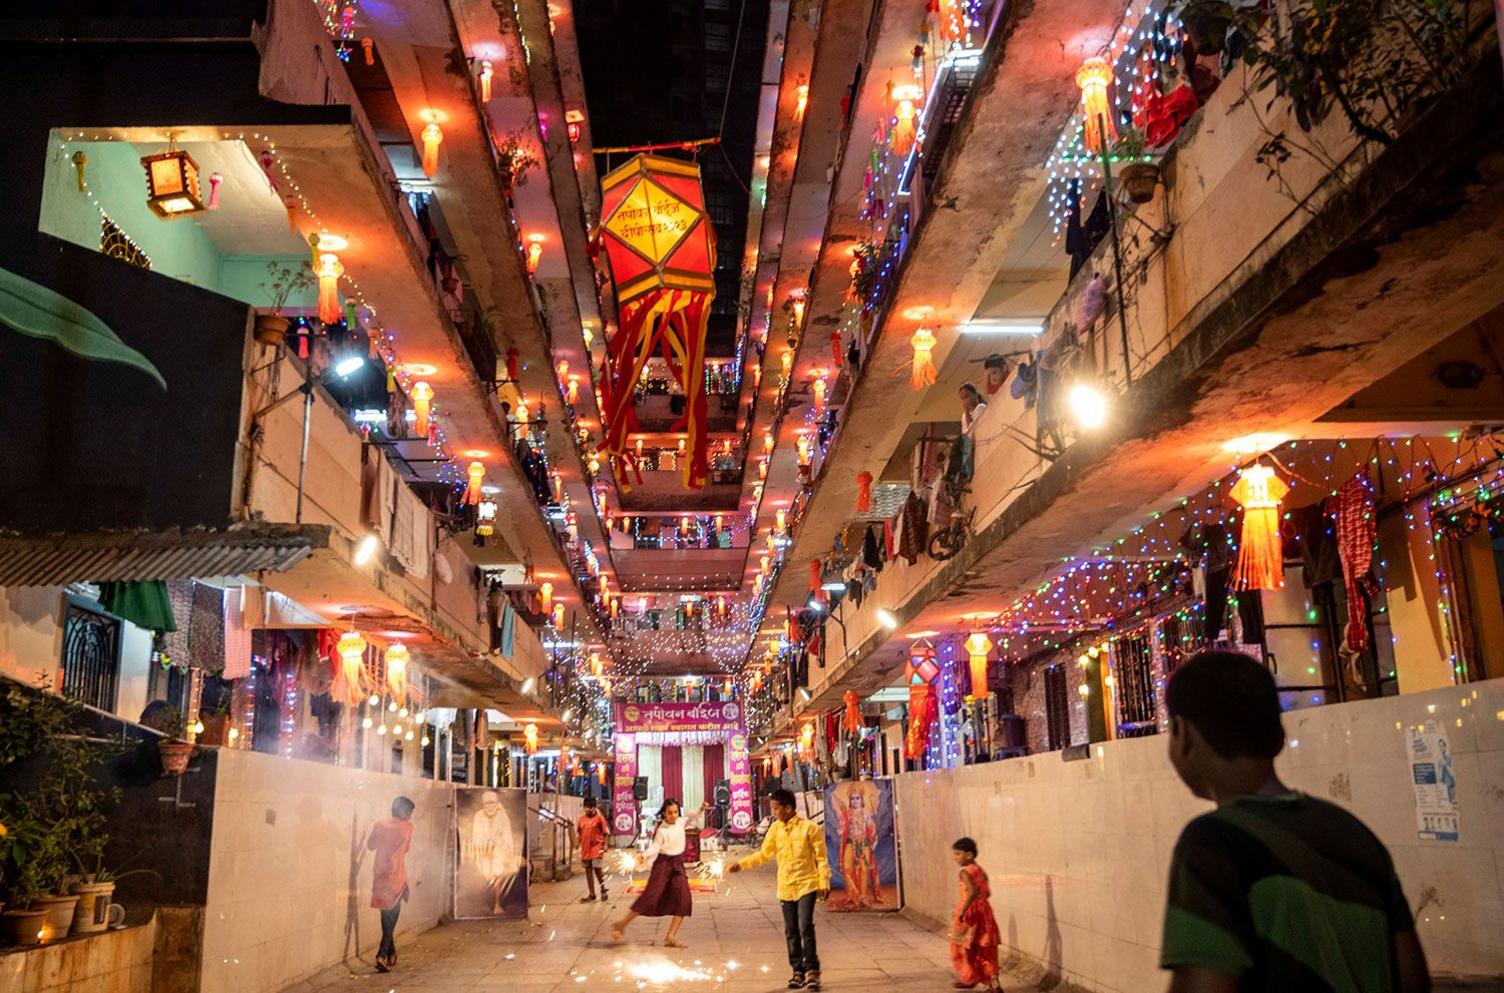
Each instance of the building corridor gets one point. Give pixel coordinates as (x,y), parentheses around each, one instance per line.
(735,943)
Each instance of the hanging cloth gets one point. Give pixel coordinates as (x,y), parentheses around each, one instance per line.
(1353,510)
(144,603)
(237,635)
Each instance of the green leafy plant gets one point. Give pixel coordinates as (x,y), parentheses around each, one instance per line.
(283,280)
(1130,146)
(515,159)
(36,311)
(58,818)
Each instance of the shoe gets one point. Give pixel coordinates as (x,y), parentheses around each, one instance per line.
(796,981)
(588,899)
(605,894)
(812,979)
(381,965)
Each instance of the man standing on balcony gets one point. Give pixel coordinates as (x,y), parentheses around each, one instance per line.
(803,875)
(1274,890)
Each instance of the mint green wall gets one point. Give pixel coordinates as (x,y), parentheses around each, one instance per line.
(118,183)
(241,276)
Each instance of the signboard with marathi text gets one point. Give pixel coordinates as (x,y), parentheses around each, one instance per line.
(623,799)
(709,723)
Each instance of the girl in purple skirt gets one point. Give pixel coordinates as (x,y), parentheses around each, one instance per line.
(667,892)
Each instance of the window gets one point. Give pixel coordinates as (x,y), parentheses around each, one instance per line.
(1133,687)
(91,654)
(717,38)
(1056,708)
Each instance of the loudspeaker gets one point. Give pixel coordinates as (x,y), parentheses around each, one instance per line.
(640,788)
(722,792)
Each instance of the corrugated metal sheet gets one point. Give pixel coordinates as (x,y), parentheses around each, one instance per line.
(55,560)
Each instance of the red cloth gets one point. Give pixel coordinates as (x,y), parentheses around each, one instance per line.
(673,773)
(1354,512)
(713,766)
(593,830)
(974,958)
(390,839)
(667,892)
(1163,114)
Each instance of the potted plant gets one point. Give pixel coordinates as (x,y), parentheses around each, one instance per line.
(23,924)
(175,747)
(514,159)
(1136,174)
(282,280)
(94,890)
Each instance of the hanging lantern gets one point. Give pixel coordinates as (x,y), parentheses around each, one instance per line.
(329,270)
(797,299)
(572,393)
(1261,564)
(559,616)
(978,646)
(923,373)
(807,742)
(853,719)
(558,485)
(1094,77)
(920,673)
(485,81)
(172,183)
(368,45)
(806,448)
(546,596)
(485,518)
(817,387)
(905,118)
(597,665)
(534,253)
(351,650)
(780,520)
(815,568)
(801,99)
(432,134)
(397,659)
(659,241)
(787,361)
(422,397)
(863,492)
(214,180)
(476,473)
(574,124)
(530,737)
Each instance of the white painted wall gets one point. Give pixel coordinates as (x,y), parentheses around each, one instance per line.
(289,876)
(1079,852)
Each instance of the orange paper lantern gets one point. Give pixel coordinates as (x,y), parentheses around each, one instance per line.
(351,650)
(422,397)
(853,719)
(329,271)
(397,659)
(1094,77)
(530,737)
(978,646)
(476,473)
(485,81)
(546,596)
(923,373)
(432,134)
(1261,563)
(863,492)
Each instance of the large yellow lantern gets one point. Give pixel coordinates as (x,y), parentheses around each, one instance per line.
(422,397)
(172,184)
(977,647)
(1095,77)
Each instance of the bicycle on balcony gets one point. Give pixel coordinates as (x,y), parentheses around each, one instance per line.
(953,520)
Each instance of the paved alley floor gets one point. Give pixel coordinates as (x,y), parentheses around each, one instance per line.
(735,941)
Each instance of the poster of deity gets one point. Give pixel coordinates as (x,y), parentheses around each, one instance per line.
(860,843)
(491,875)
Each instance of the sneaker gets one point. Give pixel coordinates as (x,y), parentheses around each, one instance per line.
(812,979)
(796,981)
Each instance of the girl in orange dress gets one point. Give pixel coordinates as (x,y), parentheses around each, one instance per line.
(973,930)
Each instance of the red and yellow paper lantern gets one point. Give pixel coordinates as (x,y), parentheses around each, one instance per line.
(329,270)
(397,660)
(432,135)
(923,374)
(1261,562)
(978,646)
(1095,78)
(920,673)
(476,473)
(661,246)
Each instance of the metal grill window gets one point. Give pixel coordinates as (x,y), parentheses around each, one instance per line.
(91,655)
(1057,713)
(1133,678)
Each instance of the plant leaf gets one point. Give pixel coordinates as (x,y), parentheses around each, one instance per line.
(39,312)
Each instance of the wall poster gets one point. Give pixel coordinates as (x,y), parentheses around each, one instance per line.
(1434,782)
(490,879)
(860,843)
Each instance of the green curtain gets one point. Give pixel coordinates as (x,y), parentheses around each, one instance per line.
(143,603)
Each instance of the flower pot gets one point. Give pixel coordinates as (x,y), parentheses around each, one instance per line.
(270,329)
(58,912)
(175,755)
(24,927)
(1138,179)
(93,912)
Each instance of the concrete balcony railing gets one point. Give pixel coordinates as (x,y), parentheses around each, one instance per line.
(1215,267)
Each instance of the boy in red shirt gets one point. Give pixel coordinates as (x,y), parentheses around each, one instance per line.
(390,839)
(592,830)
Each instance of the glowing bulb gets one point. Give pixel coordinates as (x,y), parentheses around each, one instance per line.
(1088,405)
